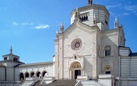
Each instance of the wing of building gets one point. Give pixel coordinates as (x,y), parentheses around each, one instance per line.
(87,53)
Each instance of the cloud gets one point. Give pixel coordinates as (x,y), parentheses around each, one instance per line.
(14,23)
(131,8)
(42,26)
(114,6)
(123,9)
(126,14)
(22,24)
(25,23)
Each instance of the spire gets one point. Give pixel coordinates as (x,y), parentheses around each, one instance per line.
(116,23)
(61,28)
(56,32)
(90,2)
(11,50)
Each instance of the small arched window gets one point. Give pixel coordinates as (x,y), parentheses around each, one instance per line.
(84,18)
(107,50)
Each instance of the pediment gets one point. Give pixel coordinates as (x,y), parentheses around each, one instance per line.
(79,25)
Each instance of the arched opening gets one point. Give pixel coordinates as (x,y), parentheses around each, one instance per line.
(107,69)
(32,74)
(38,74)
(26,74)
(76,65)
(107,50)
(44,73)
(76,70)
(21,75)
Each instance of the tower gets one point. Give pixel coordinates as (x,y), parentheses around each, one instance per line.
(87,14)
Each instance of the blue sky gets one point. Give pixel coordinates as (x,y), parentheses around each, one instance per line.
(29,26)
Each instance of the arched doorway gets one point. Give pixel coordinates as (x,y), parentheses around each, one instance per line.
(32,74)
(75,70)
(38,74)
(21,76)
(26,75)
(44,73)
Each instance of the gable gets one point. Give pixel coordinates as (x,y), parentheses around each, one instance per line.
(86,35)
(81,26)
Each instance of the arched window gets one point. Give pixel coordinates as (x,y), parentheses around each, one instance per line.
(21,76)
(44,73)
(107,69)
(38,74)
(32,74)
(26,74)
(107,50)
(84,18)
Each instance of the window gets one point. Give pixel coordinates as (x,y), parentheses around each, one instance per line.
(15,59)
(84,18)
(106,22)
(107,50)
(5,58)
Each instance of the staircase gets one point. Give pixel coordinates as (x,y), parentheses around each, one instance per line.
(90,83)
(62,83)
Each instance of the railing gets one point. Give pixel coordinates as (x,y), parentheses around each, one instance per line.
(6,83)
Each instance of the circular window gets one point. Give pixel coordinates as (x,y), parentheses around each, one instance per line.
(76,44)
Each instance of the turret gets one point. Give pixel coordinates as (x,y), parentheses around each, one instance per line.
(57,34)
(61,28)
(11,56)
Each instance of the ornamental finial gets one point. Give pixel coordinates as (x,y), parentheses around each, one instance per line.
(90,2)
(11,50)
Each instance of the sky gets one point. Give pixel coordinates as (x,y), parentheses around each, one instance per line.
(29,26)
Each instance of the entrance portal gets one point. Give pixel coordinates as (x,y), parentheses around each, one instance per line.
(77,72)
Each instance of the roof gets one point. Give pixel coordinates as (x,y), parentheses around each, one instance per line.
(77,23)
(10,55)
(35,64)
(10,61)
(93,6)
(133,54)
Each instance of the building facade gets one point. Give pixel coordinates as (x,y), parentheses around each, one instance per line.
(87,51)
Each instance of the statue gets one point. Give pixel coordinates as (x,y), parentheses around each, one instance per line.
(89,2)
